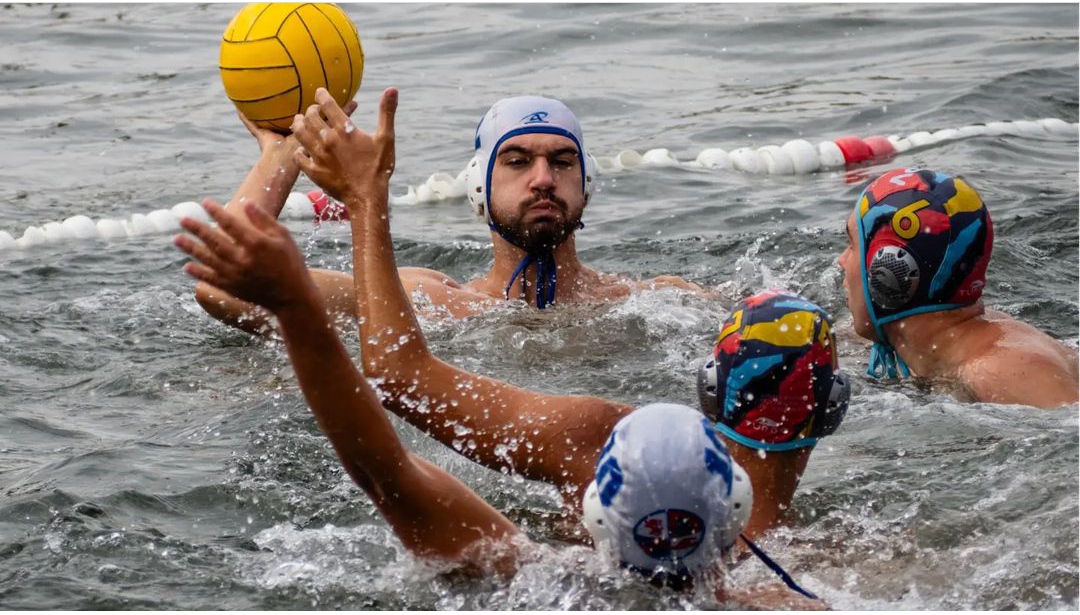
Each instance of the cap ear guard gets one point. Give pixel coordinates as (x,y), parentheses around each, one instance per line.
(893,277)
(828,419)
(706,388)
(594,518)
(742,502)
(474,187)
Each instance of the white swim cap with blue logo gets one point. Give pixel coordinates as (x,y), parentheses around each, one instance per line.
(509,118)
(667,496)
(506,119)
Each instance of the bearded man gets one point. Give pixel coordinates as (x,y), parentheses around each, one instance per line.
(531,177)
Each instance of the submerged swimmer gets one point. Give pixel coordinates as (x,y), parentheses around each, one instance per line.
(558,438)
(531,177)
(914,270)
(665,498)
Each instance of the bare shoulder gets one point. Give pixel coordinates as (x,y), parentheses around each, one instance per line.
(442,293)
(1022,365)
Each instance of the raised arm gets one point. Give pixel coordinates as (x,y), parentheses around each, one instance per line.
(268,184)
(551,438)
(255,259)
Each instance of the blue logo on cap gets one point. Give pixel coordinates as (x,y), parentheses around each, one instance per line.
(538,117)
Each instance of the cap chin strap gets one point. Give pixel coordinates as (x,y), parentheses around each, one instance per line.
(546,273)
(884,360)
(780,572)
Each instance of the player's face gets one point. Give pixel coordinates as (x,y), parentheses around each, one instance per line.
(536,192)
(853,283)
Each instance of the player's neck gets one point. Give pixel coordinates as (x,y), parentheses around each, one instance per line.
(932,344)
(571,271)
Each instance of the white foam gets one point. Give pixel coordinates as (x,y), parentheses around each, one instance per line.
(997,128)
(6,240)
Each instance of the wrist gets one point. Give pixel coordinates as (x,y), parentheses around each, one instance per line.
(301,308)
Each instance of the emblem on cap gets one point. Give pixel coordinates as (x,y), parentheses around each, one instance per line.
(669,533)
(537,117)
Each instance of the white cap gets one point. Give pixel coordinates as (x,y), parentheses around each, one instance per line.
(667,496)
(509,118)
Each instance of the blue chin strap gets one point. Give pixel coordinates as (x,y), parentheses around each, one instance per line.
(884,360)
(780,572)
(545,277)
(546,271)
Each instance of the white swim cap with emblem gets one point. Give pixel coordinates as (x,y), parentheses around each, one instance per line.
(508,118)
(667,496)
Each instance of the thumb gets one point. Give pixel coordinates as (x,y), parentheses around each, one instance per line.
(387,111)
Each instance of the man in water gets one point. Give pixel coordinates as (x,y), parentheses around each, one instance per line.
(914,270)
(531,177)
(558,438)
(665,499)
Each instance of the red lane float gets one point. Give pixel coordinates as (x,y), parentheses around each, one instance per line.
(855,149)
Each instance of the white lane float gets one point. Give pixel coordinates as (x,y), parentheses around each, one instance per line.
(796,157)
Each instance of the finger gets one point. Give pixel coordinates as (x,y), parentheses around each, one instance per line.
(314,119)
(350,107)
(218,241)
(306,164)
(300,130)
(230,223)
(387,111)
(330,109)
(201,252)
(248,124)
(205,274)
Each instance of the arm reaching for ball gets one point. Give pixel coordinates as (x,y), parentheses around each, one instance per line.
(252,257)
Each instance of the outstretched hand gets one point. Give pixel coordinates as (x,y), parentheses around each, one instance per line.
(268,138)
(347,163)
(253,258)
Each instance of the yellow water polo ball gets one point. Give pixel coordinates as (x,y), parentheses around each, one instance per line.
(274,57)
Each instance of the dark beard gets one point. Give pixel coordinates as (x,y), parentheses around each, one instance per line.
(540,236)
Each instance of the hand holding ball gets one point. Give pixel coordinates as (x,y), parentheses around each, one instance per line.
(274,57)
